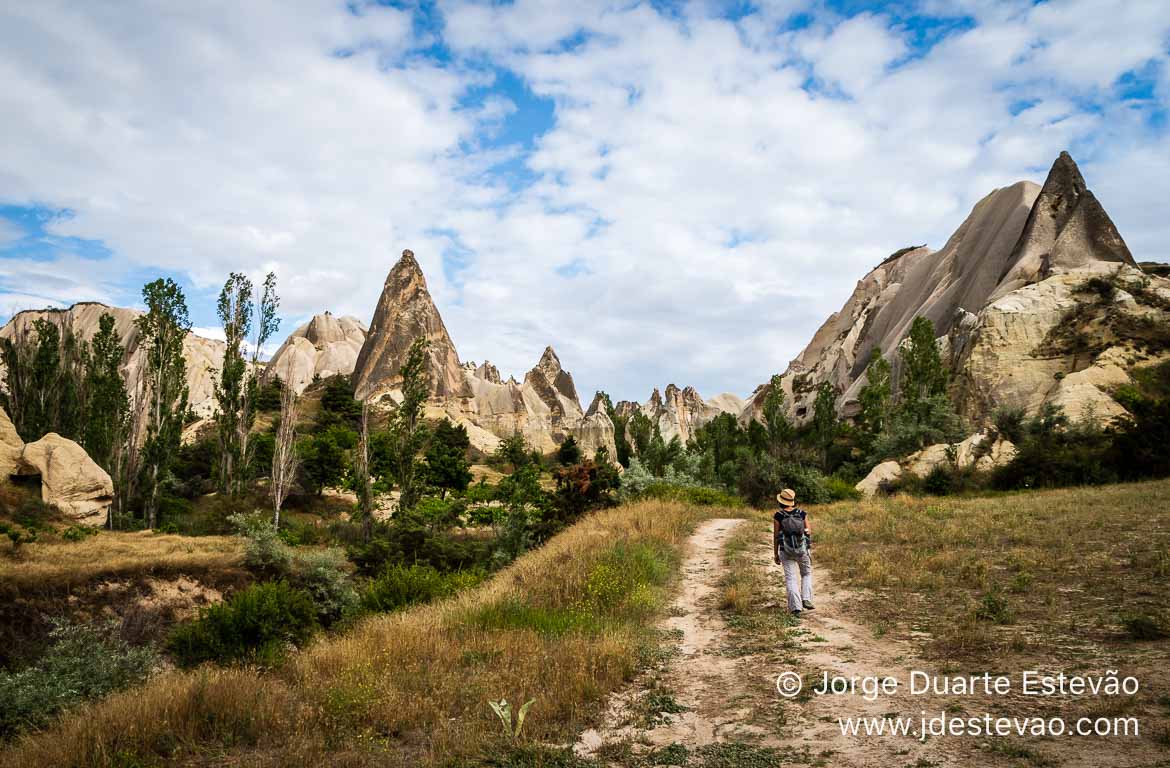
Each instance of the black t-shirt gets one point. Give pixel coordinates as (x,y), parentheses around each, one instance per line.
(798,512)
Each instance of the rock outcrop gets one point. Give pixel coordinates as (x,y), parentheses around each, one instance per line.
(203,356)
(544,409)
(679,412)
(325,346)
(998,293)
(70,480)
(404,313)
(983,451)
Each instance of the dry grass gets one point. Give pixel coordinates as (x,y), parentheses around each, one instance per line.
(1042,574)
(564,625)
(60,566)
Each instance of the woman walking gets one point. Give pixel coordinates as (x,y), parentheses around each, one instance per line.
(792,549)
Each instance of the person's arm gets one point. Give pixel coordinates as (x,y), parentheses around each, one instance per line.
(775,540)
(807,528)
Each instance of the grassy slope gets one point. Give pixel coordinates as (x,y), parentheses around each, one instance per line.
(1041,575)
(564,625)
(62,565)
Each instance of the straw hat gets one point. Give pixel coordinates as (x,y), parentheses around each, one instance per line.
(787,498)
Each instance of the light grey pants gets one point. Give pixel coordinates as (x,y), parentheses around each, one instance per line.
(799,588)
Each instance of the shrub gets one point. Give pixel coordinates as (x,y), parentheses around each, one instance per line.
(764,476)
(994,608)
(1009,422)
(1144,626)
(83,662)
(79,532)
(255,625)
(841,489)
(322,573)
(400,586)
(263,549)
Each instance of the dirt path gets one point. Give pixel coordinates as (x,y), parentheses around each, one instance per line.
(719,685)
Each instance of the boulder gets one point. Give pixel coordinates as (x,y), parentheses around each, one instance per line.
(885,472)
(70,480)
(11,446)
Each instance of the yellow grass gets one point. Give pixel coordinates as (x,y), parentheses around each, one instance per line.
(1065,565)
(62,565)
(564,626)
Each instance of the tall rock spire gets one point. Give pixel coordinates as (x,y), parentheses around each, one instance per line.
(405,312)
(1066,229)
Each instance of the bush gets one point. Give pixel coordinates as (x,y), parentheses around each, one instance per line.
(79,532)
(322,573)
(255,625)
(763,477)
(83,662)
(1144,626)
(841,489)
(263,549)
(400,586)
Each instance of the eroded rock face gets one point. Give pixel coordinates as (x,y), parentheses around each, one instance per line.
(544,409)
(203,356)
(997,293)
(70,480)
(985,451)
(325,346)
(680,412)
(404,313)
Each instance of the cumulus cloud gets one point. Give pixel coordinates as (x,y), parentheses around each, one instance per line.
(709,189)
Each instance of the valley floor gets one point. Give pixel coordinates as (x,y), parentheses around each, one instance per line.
(632,667)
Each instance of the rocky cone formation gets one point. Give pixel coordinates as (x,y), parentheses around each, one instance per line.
(404,313)
(679,412)
(999,293)
(70,480)
(325,346)
(203,356)
(545,408)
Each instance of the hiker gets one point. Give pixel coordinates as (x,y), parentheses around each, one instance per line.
(792,548)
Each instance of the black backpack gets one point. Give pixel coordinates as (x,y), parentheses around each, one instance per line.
(792,534)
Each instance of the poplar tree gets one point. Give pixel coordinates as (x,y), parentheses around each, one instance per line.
(407,435)
(164,399)
(237,389)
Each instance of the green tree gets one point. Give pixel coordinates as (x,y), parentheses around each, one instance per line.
(824,424)
(107,406)
(779,429)
(408,432)
(446,455)
(875,396)
(641,431)
(237,390)
(514,451)
(923,374)
(568,452)
(621,442)
(164,401)
(43,377)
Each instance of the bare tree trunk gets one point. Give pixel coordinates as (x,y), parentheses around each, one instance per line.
(284,454)
(363,474)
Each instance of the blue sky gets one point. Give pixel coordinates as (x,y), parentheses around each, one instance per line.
(664,191)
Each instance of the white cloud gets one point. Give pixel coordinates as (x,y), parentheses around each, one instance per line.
(705,211)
